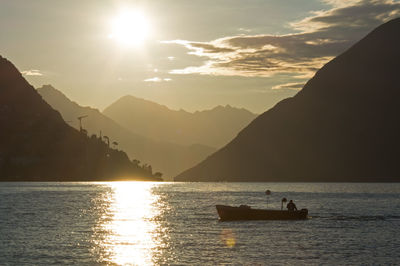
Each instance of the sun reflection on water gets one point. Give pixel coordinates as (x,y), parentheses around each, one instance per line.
(131,237)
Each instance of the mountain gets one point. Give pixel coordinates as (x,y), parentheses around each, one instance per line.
(168,158)
(213,128)
(37,145)
(344,125)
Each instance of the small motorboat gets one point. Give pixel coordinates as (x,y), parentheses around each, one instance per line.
(244,212)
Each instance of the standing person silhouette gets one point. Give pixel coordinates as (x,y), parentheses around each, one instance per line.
(291,206)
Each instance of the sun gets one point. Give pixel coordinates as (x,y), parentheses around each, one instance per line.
(130,28)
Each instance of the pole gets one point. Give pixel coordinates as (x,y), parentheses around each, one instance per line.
(268,192)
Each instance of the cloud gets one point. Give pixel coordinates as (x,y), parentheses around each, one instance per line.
(32,72)
(157,79)
(319,38)
(291,86)
(244,29)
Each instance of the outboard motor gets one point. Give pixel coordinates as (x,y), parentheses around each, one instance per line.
(305,211)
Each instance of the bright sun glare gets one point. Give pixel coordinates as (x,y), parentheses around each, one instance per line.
(130,28)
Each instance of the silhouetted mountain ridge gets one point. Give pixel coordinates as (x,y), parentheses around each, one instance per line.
(37,145)
(343,126)
(214,127)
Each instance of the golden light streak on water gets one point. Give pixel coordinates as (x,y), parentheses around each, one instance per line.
(131,238)
(228,238)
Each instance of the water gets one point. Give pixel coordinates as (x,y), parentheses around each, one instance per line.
(139,223)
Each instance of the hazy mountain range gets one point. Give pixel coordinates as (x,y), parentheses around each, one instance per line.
(344,125)
(215,127)
(166,157)
(37,145)
(163,154)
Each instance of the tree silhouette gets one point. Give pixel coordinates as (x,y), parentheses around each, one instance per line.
(108,140)
(115,144)
(158,174)
(136,162)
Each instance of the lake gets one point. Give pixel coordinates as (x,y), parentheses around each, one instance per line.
(145,223)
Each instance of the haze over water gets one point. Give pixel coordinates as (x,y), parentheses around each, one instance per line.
(143,223)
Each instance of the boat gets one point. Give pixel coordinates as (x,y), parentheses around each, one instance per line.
(244,212)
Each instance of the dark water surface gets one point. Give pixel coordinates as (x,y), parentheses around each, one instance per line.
(139,223)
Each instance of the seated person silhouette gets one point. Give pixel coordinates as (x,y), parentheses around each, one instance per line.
(291,206)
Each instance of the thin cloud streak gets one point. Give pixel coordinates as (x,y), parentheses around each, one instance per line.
(32,72)
(157,79)
(291,86)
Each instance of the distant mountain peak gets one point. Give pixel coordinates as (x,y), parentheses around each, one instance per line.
(159,122)
(48,86)
(50,89)
(134,101)
(131,99)
(227,108)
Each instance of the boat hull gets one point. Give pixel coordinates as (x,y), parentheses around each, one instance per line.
(228,213)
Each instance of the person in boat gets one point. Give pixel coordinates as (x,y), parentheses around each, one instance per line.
(291,206)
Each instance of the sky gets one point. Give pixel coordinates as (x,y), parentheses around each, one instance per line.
(185,54)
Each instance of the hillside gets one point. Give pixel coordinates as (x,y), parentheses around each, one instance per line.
(168,158)
(37,145)
(344,125)
(215,127)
